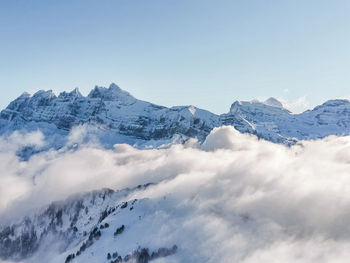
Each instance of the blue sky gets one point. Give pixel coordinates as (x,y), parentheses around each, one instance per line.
(206,53)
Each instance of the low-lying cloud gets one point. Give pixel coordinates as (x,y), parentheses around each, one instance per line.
(241,199)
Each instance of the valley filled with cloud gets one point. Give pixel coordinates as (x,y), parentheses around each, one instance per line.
(233,198)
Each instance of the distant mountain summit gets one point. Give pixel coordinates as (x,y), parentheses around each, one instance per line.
(273,102)
(113,93)
(121,118)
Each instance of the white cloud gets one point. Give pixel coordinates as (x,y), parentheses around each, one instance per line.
(296,106)
(234,199)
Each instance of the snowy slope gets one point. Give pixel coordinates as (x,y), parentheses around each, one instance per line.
(86,226)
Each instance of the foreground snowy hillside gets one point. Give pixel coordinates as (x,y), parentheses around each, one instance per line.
(115,116)
(93,227)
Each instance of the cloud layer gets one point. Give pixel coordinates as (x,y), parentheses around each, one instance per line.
(239,199)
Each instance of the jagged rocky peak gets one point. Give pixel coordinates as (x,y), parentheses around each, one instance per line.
(43,98)
(44,94)
(113,93)
(39,96)
(114,88)
(97,92)
(75,93)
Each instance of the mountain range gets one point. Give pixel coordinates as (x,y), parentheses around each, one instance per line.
(121,118)
(111,225)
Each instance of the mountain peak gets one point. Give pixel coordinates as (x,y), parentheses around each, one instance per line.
(44,93)
(273,102)
(75,93)
(115,87)
(114,92)
(97,92)
(255,103)
(24,95)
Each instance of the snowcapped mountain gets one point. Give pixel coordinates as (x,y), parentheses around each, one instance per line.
(149,221)
(118,115)
(121,118)
(112,108)
(270,121)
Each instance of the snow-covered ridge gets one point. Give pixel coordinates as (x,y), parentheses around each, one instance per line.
(122,118)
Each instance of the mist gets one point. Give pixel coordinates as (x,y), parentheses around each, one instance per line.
(237,198)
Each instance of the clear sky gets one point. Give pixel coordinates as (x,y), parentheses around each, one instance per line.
(178,52)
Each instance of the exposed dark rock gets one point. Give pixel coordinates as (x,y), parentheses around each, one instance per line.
(119,230)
